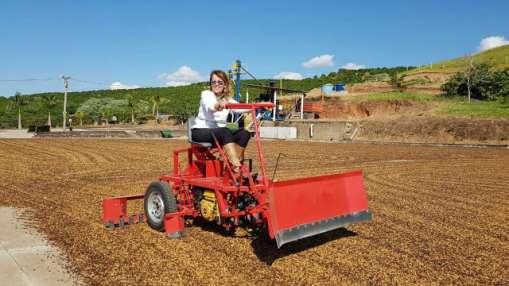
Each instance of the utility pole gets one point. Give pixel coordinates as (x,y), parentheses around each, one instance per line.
(302,106)
(236,70)
(274,109)
(281,86)
(64,114)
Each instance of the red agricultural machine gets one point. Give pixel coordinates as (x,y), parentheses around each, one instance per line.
(208,188)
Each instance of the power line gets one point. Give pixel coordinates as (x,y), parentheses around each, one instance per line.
(29,79)
(51,78)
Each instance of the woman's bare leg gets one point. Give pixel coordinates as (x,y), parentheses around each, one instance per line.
(240,152)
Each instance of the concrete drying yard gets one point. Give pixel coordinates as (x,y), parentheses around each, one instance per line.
(440,215)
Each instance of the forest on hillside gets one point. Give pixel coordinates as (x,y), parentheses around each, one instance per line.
(142,104)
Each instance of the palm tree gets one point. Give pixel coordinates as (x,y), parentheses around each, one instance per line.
(156,100)
(50,100)
(131,103)
(106,113)
(20,101)
(80,115)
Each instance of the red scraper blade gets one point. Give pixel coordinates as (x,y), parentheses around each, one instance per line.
(305,207)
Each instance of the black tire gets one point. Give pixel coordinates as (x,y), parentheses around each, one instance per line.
(159,200)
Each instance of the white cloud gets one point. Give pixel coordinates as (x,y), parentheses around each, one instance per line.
(319,61)
(119,85)
(289,75)
(492,42)
(353,66)
(183,76)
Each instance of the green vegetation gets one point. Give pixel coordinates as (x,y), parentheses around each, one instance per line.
(344,76)
(497,58)
(18,102)
(480,82)
(145,103)
(139,105)
(178,101)
(486,109)
(50,101)
(398,82)
(99,109)
(454,106)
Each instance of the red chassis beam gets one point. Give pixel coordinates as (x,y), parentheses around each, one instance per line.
(250,105)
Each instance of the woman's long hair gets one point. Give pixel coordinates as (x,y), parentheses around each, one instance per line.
(222,75)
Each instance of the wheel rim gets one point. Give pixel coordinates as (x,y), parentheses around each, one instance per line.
(155,208)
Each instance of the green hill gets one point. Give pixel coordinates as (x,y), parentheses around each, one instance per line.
(497,58)
(177,101)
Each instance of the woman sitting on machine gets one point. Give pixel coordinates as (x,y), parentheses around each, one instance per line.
(212,116)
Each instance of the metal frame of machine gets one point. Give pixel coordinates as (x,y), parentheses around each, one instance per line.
(208,188)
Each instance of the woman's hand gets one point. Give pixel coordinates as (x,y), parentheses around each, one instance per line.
(220,105)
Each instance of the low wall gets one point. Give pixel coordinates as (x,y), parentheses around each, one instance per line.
(104,134)
(320,129)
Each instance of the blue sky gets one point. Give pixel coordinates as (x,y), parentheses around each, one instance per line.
(159,43)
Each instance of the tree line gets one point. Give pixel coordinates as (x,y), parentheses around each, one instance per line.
(142,104)
(88,107)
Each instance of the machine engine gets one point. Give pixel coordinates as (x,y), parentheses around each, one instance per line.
(208,206)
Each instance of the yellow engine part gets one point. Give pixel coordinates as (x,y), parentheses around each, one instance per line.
(208,206)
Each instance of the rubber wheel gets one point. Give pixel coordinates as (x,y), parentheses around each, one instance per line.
(159,200)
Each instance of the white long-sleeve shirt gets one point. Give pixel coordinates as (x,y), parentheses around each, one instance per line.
(208,117)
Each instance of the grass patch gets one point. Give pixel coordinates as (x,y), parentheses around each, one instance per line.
(393,95)
(498,58)
(448,106)
(485,109)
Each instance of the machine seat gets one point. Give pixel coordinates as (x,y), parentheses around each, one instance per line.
(190,122)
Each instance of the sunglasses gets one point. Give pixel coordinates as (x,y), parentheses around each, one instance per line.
(217,82)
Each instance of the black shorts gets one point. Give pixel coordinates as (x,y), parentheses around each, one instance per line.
(223,135)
